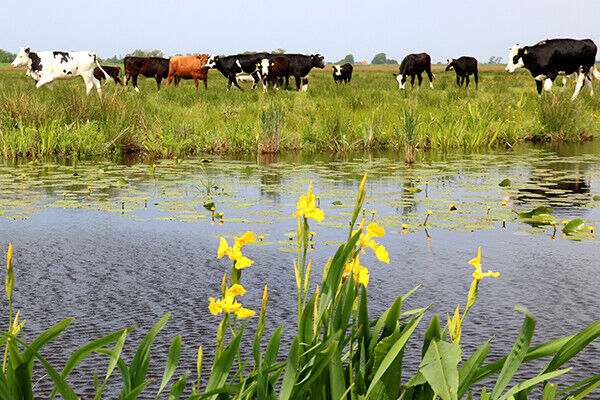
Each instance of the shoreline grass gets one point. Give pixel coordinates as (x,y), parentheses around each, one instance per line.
(367,114)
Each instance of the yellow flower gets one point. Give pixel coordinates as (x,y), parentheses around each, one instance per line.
(244,313)
(366,241)
(9,262)
(235,290)
(215,307)
(306,206)
(361,274)
(229,304)
(235,253)
(476,262)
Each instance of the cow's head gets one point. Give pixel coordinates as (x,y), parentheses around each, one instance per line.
(337,70)
(515,58)
(317,61)
(211,62)
(263,67)
(401,80)
(22,58)
(450,65)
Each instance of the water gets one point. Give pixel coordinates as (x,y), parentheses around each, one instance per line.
(98,255)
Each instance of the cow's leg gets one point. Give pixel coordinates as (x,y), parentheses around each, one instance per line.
(430,76)
(170,79)
(125,79)
(467,79)
(412,81)
(458,80)
(134,79)
(580,79)
(297,83)
(305,84)
(564,83)
(539,86)
(89,84)
(97,85)
(118,80)
(548,85)
(475,75)
(43,81)
(196,82)
(158,81)
(205,81)
(420,77)
(588,84)
(177,80)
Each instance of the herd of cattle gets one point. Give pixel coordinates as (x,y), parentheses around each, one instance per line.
(545,60)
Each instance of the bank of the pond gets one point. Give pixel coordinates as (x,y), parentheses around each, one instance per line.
(369,113)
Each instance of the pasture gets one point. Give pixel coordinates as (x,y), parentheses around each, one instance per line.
(368,114)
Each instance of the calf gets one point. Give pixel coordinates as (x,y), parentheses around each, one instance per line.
(47,66)
(272,70)
(237,65)
(414,64)
(112,72)
(550,58)
(464,66)
(300,66)
(188,67)
(150,67)
(342,73)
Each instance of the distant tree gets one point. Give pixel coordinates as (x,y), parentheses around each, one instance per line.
(279,51)
(348,59)
(6,56)
(495,60)
(379,58)
(146,53)
(391,61)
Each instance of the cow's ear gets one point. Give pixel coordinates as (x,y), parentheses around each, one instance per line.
(27,50)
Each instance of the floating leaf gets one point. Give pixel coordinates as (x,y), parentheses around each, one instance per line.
(337,203)
(504,183)
(540,212)
(413,190)
(597,197)
(123,181)
(575,225)
(209,205)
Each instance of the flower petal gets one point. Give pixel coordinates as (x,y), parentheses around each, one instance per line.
(243,262)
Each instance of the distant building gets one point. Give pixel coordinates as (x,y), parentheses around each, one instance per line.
(364,62)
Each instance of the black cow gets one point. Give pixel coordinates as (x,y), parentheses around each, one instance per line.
(300,66)
(464,66)
(236,65)
(150,67)
(342,73)
(112,72)
(414,64)
(550,58)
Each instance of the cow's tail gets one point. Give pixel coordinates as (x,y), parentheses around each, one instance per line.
(108,77)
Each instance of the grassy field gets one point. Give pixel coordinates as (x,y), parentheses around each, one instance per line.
(370,113)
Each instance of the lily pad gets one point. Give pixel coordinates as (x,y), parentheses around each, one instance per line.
(504,183)
(574,226)
(596,197)
(540,212)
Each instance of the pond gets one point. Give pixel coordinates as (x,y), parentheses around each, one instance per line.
(116,244)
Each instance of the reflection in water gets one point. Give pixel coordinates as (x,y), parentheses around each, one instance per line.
(110,258)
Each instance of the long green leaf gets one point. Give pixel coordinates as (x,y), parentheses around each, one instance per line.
(114,358)
(516,355)
(469,369)
(222,364)
(439,367)
(141,360)
(135,392)
(178,387)
(532,382)
(48,335)
(172,362)
(291,368)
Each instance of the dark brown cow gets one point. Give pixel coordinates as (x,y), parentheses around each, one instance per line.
(414,65)
(150,67)
(113,72)
(273,70)
(188,67)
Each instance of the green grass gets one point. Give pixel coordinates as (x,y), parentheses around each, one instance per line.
(367,114)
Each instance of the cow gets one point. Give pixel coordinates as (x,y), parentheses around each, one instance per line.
(342,73)
(237,65)
(150,67)
(464,66)
(552,57)
(300,66)
(414,64)
(271,70)
(112,72)
(188,67)
(244,78)
(47,66)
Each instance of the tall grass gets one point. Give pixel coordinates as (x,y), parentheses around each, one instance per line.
(362,115)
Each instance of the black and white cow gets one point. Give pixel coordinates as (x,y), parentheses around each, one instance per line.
(47,66)
(414,64)
(237,65)
(342,73)
(300,66)
(463,66)
(550,58)
(272,70)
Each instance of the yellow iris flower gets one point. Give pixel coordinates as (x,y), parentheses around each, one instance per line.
(361,274)
(235,252)
(229,304)
(476,262)
(306,207)
(366,241)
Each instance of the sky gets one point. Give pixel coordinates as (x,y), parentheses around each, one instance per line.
(332,28)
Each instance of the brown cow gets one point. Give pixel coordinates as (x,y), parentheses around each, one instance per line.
(188,67)
(112,72)
(273,70)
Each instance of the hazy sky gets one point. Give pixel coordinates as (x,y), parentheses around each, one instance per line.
(333,28)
